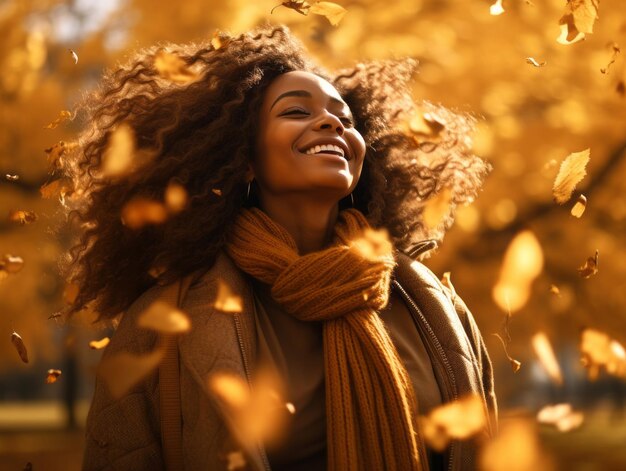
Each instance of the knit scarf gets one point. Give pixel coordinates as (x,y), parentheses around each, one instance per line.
(370,403)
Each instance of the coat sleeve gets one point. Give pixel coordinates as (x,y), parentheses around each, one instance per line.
(125,433)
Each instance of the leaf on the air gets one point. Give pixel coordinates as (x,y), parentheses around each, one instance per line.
(226,300)
(52,376)
(142,211)
(74,55)
(590,267)
(543,349)
(122,371)
(11,264)
(615,52)
(579,207)
(577,20)
(437,208)
(18,343)
(175,197)
(299,6)
(217,191)
(334,13)
(554,289)
(235,460)
(12,178)
(172,67)
(219,40)
(496,9)
(458,420)
(118,155)
(424,127)
(59,188)
(533,61)
(571,172)
(601,352)
(22,217)
(63,116)
(56,152)
(522,263)
(164,318)
(562,416)
(515,364)
(99,344)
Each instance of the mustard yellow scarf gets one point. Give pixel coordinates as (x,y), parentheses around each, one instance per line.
(370,403)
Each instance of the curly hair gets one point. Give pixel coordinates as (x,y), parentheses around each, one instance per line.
(201,135)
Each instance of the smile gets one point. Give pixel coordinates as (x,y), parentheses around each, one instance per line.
(326,149)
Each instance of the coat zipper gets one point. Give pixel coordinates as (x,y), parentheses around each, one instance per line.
(246,367)
(418,316)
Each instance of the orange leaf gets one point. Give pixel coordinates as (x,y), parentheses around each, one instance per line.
(334,13)
(164,318)
(227,301)
(53,375)
(571,172)
(63,116)
(546,356)
(18,343)
(590,267)
(99,344)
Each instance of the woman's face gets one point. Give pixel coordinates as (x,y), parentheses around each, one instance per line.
(307,143)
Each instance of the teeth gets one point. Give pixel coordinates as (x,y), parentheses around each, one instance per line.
(318,149)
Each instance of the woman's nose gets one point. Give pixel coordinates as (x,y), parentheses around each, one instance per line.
(330,121)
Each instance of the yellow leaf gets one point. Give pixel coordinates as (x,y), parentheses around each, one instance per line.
(99,344)
(175,197)
(12,178)
(12,264)
(57,188)
(496,9)
(74,55)
(437,208)
(122,371)
(164,318)
(118,155)
(562,416)
(424,127)
(172,67)
(577,20)
(579,208)
(334,13)
(590,267)
(18,343)
(571,172)
(546,356)
(23,217)
(56,152)
(53,375)
(63,116)
(599,351)
(227,301)
(532,61)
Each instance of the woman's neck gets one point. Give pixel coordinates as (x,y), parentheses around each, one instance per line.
(310,223)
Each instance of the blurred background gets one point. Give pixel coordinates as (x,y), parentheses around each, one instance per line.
(530,118)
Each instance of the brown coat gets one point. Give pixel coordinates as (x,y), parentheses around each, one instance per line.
(125,434)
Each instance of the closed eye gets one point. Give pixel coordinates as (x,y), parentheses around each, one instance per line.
(294,112)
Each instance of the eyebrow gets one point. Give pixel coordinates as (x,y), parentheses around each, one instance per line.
(304,93)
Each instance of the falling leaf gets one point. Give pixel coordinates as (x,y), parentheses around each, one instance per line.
(18,343)
(58,188)
(437,208)
(599,351)
(334,13)
(53,375)
(56,153)
(122,371)
(457,420)
(219,40)
(217,191)
(577,20)
(532,61)
(299,6)
(571,172)
(496,9)
(74,55)
(615,51)
(23,217)
(290,407)
(164,318)
(70,293)
(11,264)
(554,289)
(142,211)
(227,301)
(424,127)
(372,244)
(12,178)
(235,460)
(175,197)
(522,263)
(562,416)
(590,267)
(515,364)
(173,68)
(99,344)
(63,116)
(579,207)
(118,155)
(546,356)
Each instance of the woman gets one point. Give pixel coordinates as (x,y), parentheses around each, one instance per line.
(287,170)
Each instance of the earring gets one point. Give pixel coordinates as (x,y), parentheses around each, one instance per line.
(352,199)
(248,192)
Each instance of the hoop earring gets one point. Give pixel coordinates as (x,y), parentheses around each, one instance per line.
(352,199)
(248,192)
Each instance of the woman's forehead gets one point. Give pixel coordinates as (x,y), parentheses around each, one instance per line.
(300,81)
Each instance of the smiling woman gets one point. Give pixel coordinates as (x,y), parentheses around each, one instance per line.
(297,194)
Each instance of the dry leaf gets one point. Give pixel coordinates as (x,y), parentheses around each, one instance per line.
(532,61)
(124,370)
(554,289)
(175,197)
(562,416)
(23,217)
(58,188)
(515,364)
(12,178)
(590,267)
(217,191)
(235,460)
(219,40)
(118,155)
(523,262)
(299,6)
(164,318)
(142,211)
(571,172)
(334,13)
(227,301)
(599,351)
(99,344)
(424,127)
(18,343)
(496,9)
(437,208)
(63,116)
(458,420)
(11,264)
(546,356)
(172,67)
(577,20)
(53,375)
(579,207)
(615,51)
(74,55)
(56,152)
